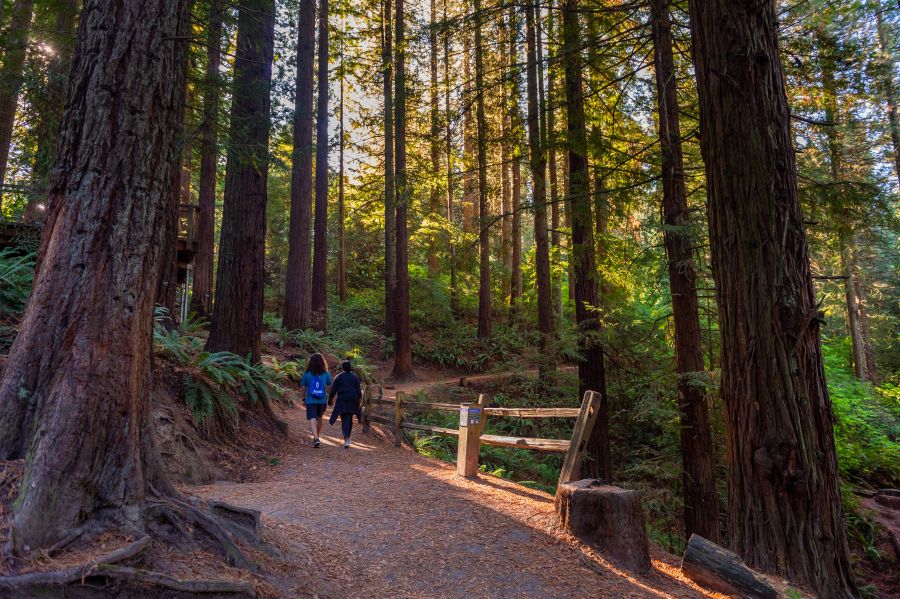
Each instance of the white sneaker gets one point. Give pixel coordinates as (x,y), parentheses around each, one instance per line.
(346,443)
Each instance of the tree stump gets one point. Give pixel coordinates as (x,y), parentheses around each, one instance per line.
(721,570)
(607,517)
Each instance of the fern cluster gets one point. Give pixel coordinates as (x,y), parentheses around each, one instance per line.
(213,379)
(16,276)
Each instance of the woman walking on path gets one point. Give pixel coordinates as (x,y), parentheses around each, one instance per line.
(316,380)
(346,387)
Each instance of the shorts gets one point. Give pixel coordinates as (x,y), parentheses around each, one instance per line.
(315,410)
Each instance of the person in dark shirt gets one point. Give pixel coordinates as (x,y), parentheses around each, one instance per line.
(347,389)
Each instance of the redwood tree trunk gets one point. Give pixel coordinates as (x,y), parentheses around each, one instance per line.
(784,499)
(448,149)
(201,296)
(320,227)
(484,232)
(297,292)
(591,374)
(90,453)
(390,190)
(701,501)
(11,78)
(555,200)
(434,203)
(342,217)
(515,124)
(238,308)
(402,347)
(538,164)
(470,180)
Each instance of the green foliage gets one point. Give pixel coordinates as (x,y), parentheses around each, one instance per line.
(867,421)
(213,379)
(458,347)
(16,276)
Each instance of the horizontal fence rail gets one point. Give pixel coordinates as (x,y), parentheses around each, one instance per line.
(473,418)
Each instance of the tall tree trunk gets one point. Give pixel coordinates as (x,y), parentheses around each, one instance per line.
(298,292)
(854,324)
(11,78)
(470,179)
(555,199)
(484,233)
(390,190)
(201,296)
(62,39)
(506,137)
(887,85)
(784,500)
(591,373)
(402,346)
(538,164)
(701,501)
(342,241)
(240,278)
(828,63)
(87,330)
(861,310)
(515,125)
(448,138)
(434,203)
(320,227)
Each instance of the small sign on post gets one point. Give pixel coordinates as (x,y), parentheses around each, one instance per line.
(471,423)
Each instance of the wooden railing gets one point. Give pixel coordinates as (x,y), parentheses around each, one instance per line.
(473,417)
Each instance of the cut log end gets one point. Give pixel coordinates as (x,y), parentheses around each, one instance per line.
(721,570)
(607,517)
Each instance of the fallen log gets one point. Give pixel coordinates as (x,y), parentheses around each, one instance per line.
(721,570)
(607,517)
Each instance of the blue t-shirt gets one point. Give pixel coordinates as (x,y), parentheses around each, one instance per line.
(315,386)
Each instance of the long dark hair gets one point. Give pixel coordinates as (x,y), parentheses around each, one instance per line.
(316,364)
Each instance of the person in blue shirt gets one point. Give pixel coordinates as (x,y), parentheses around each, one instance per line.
(316,381)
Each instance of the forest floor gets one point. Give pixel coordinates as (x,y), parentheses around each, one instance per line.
(380,521)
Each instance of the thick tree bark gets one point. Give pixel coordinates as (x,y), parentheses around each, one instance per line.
(784,499)
(320,226)
(591,373)
(402,346)
(484,232)
(51,113)
(701,501)
(238,307)
(11,78)
(505,142)
(390,189)
(538,164)
(448,149)
(201,295)
(298,293)
(91,453)
(434,203)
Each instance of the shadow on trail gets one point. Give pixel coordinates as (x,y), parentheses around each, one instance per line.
(387,522)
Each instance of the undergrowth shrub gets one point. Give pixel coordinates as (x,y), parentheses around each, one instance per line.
(212,380)
(16,277)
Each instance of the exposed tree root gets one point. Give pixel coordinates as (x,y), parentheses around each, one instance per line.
(169,520)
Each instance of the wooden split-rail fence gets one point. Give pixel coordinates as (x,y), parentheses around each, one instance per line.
(472,419)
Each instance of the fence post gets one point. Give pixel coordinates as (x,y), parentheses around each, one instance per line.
(398,417)
(590,409)
(471,422)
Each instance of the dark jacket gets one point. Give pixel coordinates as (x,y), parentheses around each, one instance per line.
(347,389)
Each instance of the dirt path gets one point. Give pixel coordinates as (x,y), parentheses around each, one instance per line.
(378,521)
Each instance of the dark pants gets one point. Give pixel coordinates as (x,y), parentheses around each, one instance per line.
(347,424)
